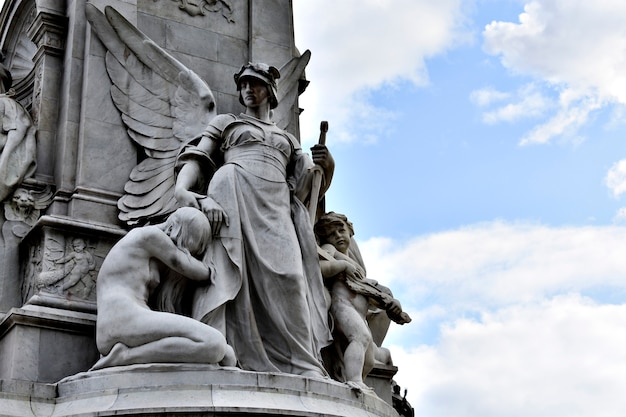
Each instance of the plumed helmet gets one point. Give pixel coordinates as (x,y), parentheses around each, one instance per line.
(263,72)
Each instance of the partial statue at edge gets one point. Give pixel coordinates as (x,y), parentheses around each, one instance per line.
(248,175)
(17,139)
(21,206)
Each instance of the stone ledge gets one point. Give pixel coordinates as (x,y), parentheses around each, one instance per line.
(190,389)
(26,398)
(50,318)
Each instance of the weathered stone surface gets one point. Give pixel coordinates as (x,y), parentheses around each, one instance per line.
(353,298)
(128,331)
(46,280)
(183,389)
(95,152)
(43,344)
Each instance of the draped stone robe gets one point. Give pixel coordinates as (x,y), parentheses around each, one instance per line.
(268,295)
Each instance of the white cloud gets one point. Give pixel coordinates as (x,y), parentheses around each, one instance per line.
(616,178)
(528,102)
(496,263)
(559,357)
(572,42)
(528,319)
(620,216)
(564,123)
(360,45)
(487,96)
(576,48)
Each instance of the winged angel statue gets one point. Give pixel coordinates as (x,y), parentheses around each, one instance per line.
(164,105)
(268,292)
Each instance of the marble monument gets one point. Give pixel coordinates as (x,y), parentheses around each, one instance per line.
(158,250)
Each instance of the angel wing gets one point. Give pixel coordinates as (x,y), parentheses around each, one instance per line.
(290,85)
(163,105)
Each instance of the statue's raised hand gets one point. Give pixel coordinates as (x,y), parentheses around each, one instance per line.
(322,157)
(187,198)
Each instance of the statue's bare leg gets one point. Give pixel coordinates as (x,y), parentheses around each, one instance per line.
(358,356)
(167,350)
(145,336)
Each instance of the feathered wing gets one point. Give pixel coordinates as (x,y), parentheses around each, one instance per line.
(290,85)
(163,105)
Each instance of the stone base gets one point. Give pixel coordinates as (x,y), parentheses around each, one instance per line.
(44,344)
(380,379)
(190,390)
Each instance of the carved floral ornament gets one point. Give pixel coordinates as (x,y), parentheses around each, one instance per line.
(201,7)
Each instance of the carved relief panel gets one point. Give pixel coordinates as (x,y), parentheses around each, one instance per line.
(201,7)
(68,268)
(60,267)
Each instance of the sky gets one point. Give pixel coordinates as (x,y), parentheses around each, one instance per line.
(481,155)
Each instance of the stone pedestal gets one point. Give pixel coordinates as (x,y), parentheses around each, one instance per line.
(198,390)
(43,344)
(51,274)
(380,378)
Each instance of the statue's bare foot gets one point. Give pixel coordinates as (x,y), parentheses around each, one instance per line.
(229,358)
(359,387)
(114,357)
(313,374)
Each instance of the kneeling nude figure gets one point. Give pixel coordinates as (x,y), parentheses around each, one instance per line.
(127,330)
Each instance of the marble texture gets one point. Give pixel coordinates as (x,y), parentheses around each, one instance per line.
(203,390)
(85,156)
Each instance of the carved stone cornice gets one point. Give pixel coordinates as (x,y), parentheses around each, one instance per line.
(48,31)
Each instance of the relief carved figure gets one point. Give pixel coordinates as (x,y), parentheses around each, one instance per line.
(22,207)
(25,205)
(127,330)
(352,296)
(78,265)
(72,274)
(32,271)
(248,175)
(200,7)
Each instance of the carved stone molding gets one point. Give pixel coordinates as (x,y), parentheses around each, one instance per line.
(48,32)
(35,98)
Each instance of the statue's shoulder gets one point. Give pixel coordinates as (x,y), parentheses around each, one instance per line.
(295,143)
(222,120)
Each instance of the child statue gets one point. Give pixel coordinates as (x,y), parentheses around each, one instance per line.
(352,294)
